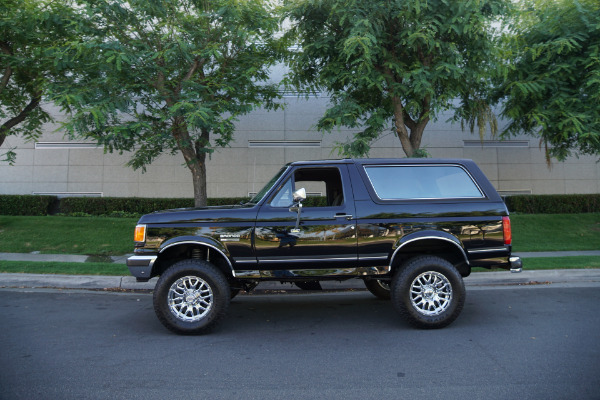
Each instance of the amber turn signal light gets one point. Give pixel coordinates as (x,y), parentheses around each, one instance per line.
(140,233)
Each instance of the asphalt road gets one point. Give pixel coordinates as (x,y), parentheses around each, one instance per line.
(533,342)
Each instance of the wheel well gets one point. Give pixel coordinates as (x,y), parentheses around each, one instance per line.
(438,247)
(186,251)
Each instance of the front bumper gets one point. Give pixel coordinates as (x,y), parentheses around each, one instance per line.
(516,265)
(141,267)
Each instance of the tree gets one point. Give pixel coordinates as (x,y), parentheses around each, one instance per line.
(30,31)
(551,86)
(395,60)
(167,75)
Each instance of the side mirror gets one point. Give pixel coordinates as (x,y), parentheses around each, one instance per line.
(299,195)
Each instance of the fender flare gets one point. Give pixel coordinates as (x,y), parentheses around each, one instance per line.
(427,235)
(202,241)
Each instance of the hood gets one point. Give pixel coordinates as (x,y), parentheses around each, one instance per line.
(231,213)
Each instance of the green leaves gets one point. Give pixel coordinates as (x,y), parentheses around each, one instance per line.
(551,86)
(399,60)
(166,76)
(31,36)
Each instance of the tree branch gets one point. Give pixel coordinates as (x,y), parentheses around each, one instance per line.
(400,125)
(5,78)
(408,121)
(5,48)
(35,102)
(192,70)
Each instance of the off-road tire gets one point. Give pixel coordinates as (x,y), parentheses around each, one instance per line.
(428,292)
(191,297)
(378,288)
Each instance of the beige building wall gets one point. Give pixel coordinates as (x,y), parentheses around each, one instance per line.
(264,141)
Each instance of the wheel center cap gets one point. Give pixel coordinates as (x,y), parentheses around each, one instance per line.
(428,293)
(190,297)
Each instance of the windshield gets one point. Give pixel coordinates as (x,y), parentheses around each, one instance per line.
(268,186)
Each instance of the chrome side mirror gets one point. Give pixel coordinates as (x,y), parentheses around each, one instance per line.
(299,195)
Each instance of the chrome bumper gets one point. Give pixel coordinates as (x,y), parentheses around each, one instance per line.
(516,265)
(141,267)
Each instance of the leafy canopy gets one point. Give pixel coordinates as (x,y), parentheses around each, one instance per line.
(30,33)
(551,85)
(403,61)
(155,76)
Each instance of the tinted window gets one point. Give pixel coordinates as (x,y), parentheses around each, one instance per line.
(421,182)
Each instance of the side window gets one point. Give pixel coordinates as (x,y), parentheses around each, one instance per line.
(397,182)
(323,185)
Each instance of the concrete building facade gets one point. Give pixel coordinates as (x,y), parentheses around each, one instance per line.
(264,141)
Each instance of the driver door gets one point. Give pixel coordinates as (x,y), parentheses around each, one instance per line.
(326,235)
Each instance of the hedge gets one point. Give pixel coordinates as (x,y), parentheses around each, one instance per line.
(554,203)
(27,205)
(133,205)
(111,205)
(127,206)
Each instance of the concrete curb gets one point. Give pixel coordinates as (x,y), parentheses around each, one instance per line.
(477,279)
(122,259)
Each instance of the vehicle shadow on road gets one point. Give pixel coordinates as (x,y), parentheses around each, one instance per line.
(307,312)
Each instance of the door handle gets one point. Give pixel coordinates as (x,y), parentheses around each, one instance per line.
(342,215)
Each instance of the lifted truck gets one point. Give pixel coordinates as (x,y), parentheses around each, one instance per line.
(410,228)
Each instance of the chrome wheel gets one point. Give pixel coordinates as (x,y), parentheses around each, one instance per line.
(431,293)
(383,285)
(190,298)
(379,288)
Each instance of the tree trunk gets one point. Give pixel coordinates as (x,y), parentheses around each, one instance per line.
(199,179)
(194,156)
(199,172)
(408,131)
(401,130)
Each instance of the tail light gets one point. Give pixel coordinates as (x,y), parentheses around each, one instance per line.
(140,233)
(507,231)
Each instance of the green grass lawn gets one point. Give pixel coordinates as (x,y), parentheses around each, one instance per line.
(561,262)
(67,235)
(114,236)
(88,268)
(537,263)
(555,232)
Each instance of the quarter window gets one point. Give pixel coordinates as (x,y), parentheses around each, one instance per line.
(400,182)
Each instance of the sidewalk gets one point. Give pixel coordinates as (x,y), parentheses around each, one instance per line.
(476,280)
(121,259)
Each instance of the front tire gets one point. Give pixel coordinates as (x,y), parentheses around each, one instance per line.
(428,292)
(191,297)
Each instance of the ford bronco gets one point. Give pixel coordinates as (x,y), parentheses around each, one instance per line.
(410,228)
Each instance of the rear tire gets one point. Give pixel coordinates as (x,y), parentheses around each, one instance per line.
(191,297)
(308,285)
(428,292)
(378,288)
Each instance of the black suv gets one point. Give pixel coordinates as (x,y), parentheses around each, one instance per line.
(410,228)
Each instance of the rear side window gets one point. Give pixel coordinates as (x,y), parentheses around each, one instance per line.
(401,182)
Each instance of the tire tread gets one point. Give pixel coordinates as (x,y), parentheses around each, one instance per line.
(221,296)
(401,288)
